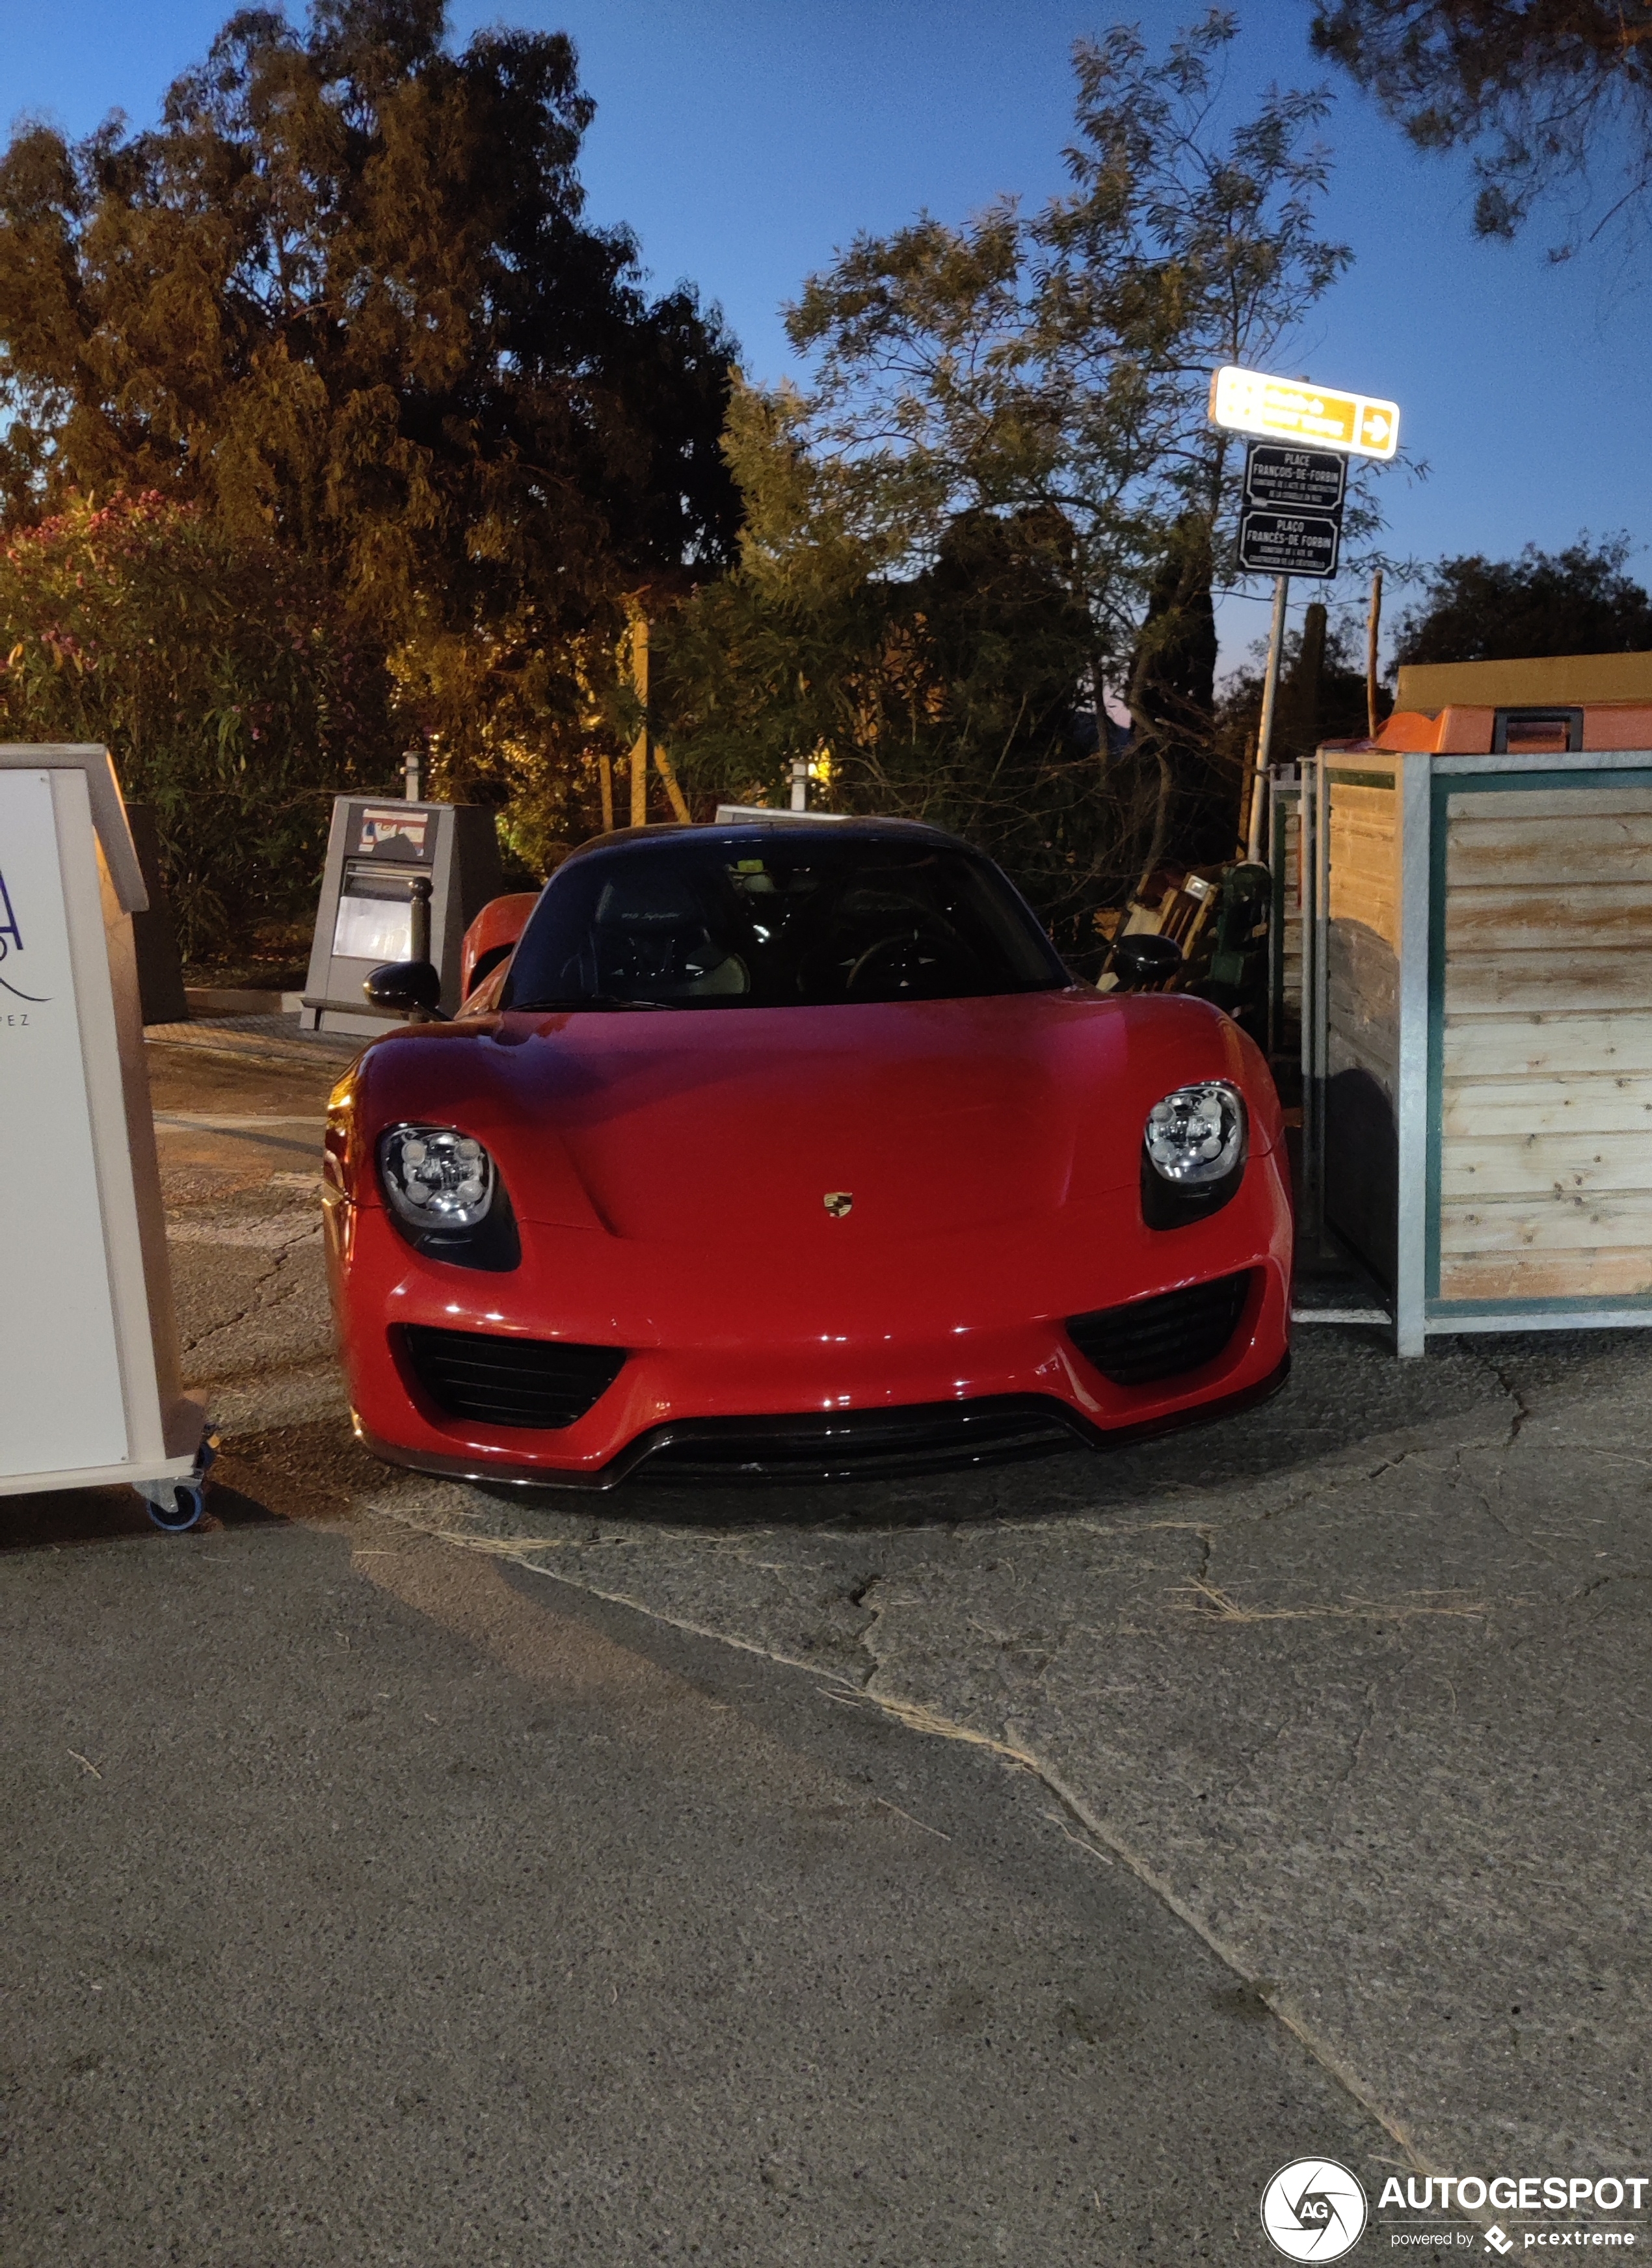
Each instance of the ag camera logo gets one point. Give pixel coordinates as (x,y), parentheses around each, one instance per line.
(1313,2209)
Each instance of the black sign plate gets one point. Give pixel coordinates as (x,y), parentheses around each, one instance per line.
(1280,478)
(1288,543)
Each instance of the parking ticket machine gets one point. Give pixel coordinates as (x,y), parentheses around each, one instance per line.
(378,851)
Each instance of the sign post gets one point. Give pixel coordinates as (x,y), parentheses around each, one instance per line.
(1290,522)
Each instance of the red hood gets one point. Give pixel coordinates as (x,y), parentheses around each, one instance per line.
(728,1128)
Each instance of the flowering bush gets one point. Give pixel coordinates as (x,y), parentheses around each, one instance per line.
(230,688)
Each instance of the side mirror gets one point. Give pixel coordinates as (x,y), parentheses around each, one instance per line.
(411,987)
(1145,959)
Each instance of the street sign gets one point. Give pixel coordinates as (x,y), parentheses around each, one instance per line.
(1281,479)
(1291,521)
(1290,409)
(1288,543)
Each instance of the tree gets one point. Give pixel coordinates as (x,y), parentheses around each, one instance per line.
(948,692)
(1047,376)
(238,701)
(1537,87)
(1579,600)
(1322,693)
(343,299)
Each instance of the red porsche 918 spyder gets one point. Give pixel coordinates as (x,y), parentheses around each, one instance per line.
(792,1149)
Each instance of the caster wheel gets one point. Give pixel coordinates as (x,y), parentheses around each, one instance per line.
(189,1502)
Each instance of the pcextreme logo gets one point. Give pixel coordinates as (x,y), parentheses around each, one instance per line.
(1313,2209)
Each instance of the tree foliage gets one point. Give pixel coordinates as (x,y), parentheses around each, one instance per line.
(1578,600)
(1538,88)
(343,299)
(1322,693)
(217,667)
(1001,498)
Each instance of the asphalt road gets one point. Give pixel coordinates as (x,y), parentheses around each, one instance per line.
(372,1901)
(1012,1867)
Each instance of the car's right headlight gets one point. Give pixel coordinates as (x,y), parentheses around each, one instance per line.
(1193,1151)
(1198,1135)
(436,1177)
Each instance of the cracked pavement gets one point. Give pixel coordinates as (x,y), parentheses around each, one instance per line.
(1350,1690)
(1366,1712)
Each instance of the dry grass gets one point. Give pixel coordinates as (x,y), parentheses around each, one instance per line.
(1213,1604)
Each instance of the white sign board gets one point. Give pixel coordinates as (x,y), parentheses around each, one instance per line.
(1291,410)
(89,1391)
(61,1403)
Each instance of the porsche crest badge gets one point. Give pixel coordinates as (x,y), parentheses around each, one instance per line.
(838,1202)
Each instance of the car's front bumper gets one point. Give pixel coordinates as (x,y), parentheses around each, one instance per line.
(729,1347)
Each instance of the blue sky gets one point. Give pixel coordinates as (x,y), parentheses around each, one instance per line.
(744,139)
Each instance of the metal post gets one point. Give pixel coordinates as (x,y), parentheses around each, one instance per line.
(1270,702)
(419,922)
(1313,818)
(1373,624)
(799,783)
(1415,789)
(412,774)
(1283,794)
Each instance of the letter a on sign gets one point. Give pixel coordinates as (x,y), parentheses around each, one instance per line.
(9,933)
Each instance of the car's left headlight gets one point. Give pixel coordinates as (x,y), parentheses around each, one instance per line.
(436,1177)
(1198,1135)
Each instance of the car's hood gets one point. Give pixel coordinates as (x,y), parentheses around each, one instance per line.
(727,1127)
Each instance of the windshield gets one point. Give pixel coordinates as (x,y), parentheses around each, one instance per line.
(763,919)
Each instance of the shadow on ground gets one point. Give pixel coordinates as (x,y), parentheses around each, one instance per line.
(1346,1394)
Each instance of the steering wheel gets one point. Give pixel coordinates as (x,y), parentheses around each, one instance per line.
(896,953)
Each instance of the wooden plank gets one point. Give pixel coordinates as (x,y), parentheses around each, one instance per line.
(1603,1104)
(1369,910)
(1552,1225)
(1362,993)
(1547,803)
(1342,1054)
(1602,914)
(1547,1276)
(1352,1003)
(1361,1020)
(1374,804)
(1372,846)
(1366,959)
(1562,1045)
(1505,824)
(1533,981)
(1564,1164)
(1355,887)
(1351,1012)
(1359,837)
(1559,853)
(1364,851)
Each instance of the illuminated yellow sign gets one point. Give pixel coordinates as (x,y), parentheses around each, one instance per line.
(1288,409)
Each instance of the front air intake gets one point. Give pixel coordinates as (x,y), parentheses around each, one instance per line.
(934,1437)
(1150,1339)
(489,1379)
